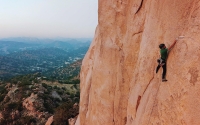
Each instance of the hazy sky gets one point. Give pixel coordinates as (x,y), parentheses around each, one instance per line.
(48,18)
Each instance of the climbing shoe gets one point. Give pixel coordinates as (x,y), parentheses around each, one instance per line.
(164,80)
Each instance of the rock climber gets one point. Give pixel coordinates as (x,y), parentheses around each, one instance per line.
(163,59)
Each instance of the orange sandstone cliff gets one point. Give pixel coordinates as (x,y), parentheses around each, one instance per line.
(119,85)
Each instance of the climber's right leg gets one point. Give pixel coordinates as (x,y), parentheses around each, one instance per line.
(164,73)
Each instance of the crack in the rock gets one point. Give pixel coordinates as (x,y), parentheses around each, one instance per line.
(139,97)
(139,7)
(154,99)
(137,33)
(138,102)
(88,96)
(148,85)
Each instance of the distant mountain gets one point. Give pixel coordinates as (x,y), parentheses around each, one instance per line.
(39,54)
(25,39)
(21,55)
(7,47)
(44,40)
(68,46)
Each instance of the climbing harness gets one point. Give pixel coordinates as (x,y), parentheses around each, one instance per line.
(160,61)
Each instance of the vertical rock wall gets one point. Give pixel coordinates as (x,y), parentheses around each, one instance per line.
(119,85)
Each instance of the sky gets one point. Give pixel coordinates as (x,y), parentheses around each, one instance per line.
(48,18)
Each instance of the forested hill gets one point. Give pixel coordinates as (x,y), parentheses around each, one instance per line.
(19,58)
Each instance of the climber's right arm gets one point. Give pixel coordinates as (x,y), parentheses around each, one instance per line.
(172,45)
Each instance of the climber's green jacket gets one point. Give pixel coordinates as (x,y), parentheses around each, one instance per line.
(163,53)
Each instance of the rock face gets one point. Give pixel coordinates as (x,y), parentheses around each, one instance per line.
(49,121)
(29,103)
(33,104)
(119,85)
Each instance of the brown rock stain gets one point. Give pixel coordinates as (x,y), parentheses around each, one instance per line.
(194,75)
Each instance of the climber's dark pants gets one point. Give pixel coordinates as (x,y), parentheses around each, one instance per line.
(164,68)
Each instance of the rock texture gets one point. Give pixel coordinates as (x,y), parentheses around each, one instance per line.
(31,102)
(33,105)
(49,121)
(72,121)
(119,85)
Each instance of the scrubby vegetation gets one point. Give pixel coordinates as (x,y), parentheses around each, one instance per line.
(47,99)
(64,112)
